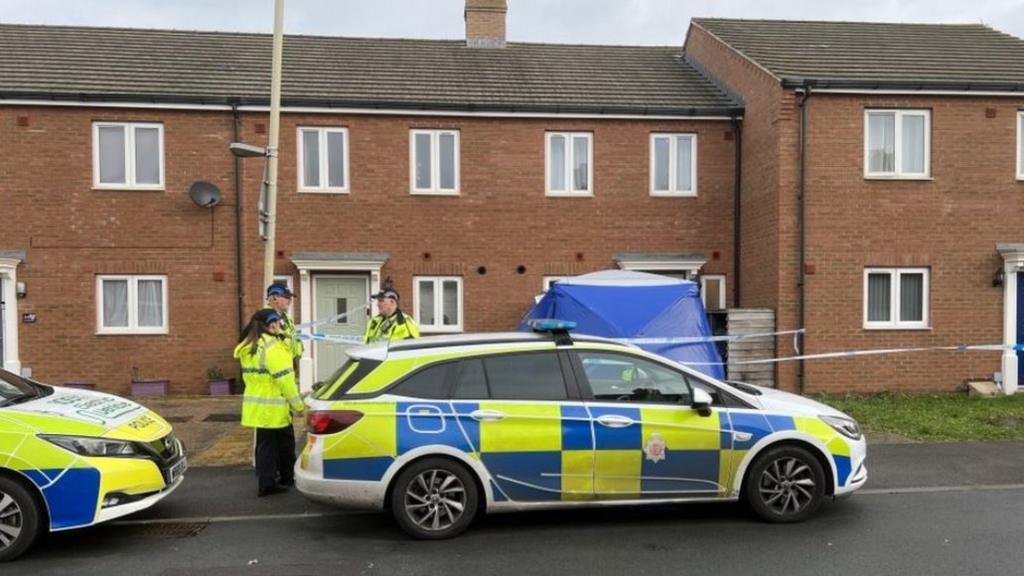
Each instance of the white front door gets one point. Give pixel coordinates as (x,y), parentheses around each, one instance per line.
(334,295)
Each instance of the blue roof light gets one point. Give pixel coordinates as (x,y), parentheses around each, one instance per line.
(550,324)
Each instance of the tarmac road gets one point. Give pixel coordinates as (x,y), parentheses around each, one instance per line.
(928,509)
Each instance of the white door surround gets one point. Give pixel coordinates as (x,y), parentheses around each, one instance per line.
(1013,262)
(9,261)
(311,262)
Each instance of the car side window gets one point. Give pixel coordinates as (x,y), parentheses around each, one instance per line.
(530,376)
(471,383)
(622,378)
(431,382)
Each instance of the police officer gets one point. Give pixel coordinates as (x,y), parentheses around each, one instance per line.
(391,323)
(271,396)
(279,298)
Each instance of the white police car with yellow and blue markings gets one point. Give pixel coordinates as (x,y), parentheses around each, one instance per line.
(73,458)
(443,428)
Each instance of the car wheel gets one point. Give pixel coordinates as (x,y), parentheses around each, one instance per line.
(434,498)
(19,519)
(785,484)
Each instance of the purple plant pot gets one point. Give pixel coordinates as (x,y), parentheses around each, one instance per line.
(221,387)
(150,387)
(80,385)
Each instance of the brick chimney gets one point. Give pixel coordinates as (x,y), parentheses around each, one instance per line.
(485,23)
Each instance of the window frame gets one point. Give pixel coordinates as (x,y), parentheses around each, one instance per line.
(439,326)
(435,162)
(133,327)
(894,323)
(129,156)
(722,297)
(898,173)
(569,191)
(673,139)
(1020,146)
(322,187)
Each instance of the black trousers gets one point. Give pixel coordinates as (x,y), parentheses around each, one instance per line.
(275,455)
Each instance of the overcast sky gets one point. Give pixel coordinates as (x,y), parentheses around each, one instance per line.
(662,22)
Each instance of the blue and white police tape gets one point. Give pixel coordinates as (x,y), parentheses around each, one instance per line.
(331,319)
(872,352)
(702,339)
(329,338)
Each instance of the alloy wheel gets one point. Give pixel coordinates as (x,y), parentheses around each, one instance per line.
(435,499)
(11,520)
(787,486)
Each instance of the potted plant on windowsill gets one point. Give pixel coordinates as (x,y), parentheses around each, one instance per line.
(148,387)
(219,385)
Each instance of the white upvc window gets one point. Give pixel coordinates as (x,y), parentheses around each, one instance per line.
(127,155)
(569,164)
(434,162)
(131,304)
(323,160)
(1020,145)
(438,303)
(896,298)
(673,164)
(712,292)
(897,144)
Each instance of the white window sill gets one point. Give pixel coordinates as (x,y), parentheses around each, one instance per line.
(890,328)
(323,191)
(136,332)
(569,194)
(434,192)
(144,188)
(664,194)
(912,178)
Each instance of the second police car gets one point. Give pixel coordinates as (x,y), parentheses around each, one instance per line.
(441,429)
(73,458)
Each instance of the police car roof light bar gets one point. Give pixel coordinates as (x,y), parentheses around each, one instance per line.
(559,329)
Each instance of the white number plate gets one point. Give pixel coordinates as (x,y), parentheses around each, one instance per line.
(177,470)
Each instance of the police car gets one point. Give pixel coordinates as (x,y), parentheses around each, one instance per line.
(441,429)
(73,458)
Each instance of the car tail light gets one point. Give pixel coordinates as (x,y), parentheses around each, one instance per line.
(331,421)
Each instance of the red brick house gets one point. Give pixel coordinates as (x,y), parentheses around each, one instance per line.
(881,189)
(467,174)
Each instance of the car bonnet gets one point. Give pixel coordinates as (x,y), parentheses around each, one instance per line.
(88,413)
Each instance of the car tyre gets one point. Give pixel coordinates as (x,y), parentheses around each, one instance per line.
(785,484)
(434,498)
(19,519)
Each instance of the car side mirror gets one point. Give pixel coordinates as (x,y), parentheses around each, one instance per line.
(701,402)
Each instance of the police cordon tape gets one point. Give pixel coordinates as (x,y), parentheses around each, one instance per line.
(331,319)
(874,352)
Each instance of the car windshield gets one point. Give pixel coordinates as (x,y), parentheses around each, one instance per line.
(14,389)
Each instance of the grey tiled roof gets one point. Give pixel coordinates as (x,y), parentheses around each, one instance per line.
(215,67)
(838,54)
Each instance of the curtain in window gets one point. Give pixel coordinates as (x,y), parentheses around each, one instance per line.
(151,303)
(450,302)
(911,297)
(879,294)
(446,145)
(147,156)
(426,302)
(336,159)
(115,303)
(661,152)
(310,158)
(556,163)
(881,142)
(580,163)
(112,146)
(423,167)
(684,159)
(913,144)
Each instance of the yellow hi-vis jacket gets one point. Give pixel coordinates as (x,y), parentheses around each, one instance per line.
(287,334)
(271,394)
(400,328)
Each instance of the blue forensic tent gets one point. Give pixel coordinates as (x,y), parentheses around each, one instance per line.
(626,304)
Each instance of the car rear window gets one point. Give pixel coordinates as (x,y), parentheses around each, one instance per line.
(344,378)
(535,376)
(430,382)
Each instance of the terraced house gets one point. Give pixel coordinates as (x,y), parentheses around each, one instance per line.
(876,169)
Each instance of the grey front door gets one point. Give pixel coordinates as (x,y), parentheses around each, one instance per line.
(3,323)
(335,295)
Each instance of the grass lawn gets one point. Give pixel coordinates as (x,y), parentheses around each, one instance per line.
(935,417)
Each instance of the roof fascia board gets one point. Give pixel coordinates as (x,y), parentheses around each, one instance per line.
(895,92)
(738,51)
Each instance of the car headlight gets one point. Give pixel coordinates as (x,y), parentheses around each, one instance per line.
(846,426)
(89,446)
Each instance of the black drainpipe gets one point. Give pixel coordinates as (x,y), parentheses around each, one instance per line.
(737,129)
(238,222)
(805,93)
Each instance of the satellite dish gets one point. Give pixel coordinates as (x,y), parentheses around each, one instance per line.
(204,194)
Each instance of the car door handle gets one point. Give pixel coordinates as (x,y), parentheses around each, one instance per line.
(614,420)
(486,415)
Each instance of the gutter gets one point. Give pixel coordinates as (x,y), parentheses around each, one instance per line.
(236,123)
(805,93)
(927,87)
(737,128)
